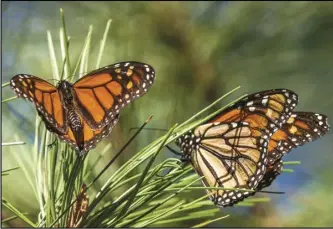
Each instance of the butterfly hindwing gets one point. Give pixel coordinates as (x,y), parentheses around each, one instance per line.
(271,173)
(103,93)
(227,155)
(91,137)
(46,98)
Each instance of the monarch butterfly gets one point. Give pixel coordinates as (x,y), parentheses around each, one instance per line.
(242,146)
(301,127)
(85,112)
(230,150)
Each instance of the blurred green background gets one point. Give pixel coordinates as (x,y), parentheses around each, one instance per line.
(200,50)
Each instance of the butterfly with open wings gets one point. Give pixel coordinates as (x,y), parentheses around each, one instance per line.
(241,147)
(84,113)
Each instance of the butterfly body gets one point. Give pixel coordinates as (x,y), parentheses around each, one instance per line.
(71,112)
(83,113)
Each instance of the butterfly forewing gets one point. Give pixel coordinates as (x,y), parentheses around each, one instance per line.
(300,128)
(103,93)
(266,110)
(46,98)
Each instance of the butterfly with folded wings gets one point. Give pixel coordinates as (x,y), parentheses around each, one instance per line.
(241,147)
(300,128)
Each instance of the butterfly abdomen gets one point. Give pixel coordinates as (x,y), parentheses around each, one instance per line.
(74,120)
(77,128)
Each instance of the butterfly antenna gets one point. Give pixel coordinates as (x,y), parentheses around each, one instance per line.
(271,192)
(63,71)
(160,129)
(63,68)
(167,173)
(52,79)
(73,75)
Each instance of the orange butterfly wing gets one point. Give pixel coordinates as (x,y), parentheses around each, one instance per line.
(266,110)
(46,98)
(102,93)
(300,128)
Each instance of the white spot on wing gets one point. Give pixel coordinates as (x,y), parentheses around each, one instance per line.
(264,101)
(249,103)
(252,108)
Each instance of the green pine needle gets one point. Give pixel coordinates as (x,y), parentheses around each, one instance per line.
(10,207)
(5,84)
(9,99)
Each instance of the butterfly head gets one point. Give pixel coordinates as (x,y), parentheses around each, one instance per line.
(66,92)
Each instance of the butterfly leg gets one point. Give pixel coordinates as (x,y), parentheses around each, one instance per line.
(166,173)
(55,142)
(183,158)
(174,151)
